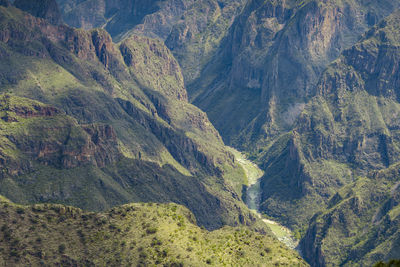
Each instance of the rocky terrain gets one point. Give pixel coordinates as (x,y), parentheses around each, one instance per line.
(358,117)
(99,116)
(267,67)
(192,30)
(112,125)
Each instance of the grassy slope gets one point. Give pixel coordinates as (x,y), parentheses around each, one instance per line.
(134,234)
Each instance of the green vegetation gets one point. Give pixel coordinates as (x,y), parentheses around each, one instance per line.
(391,263)
(359,226)
(134,234)
(93,124)
(355,123)
(347,130)
(115,127)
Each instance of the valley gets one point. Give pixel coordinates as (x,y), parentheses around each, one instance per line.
(252,200)
(199,132)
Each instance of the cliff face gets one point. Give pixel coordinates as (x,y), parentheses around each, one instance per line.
(267,68)
(350,129)
(120,124)
(195,38)
(192,30)
(66,144)
(118,17)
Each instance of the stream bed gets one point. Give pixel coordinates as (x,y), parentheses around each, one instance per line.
(253,197)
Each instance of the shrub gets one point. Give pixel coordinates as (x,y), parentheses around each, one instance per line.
(61,248)
(20,210)
(151,230)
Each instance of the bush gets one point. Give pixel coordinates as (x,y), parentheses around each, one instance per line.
(61,248)
(151,230)
(20,210)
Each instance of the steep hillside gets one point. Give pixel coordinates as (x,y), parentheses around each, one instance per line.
(134,234)
(358,107)
(195,38)
(360,225)
(193,30)
(348,130)
(126,131)
(154,18)
(266,69)
(258,92)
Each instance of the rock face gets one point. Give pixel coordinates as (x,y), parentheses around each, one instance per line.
(349,129)
(46,9)
(67,145)
(311,131)
(116,126)
(195,38)
(193,30)
(121,16)
(266,69)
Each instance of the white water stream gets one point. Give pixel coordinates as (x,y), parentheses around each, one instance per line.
(253,197)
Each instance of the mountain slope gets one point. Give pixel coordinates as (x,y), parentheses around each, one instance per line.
(192,30)
(267,67)
(350,129)
(131,95)
(360,120)
(361,224)
(134,234)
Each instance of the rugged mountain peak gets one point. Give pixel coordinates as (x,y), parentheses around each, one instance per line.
(46,9)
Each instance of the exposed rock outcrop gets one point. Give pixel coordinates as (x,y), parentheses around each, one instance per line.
(353,122)
(125,131)
(269,64)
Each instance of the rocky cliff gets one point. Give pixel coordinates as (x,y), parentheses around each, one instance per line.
(268,65)
(360,225)
(348,131)
(266,91)
(121,124)
(192,30)
(120,17)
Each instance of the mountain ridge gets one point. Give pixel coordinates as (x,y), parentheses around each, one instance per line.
(86,76)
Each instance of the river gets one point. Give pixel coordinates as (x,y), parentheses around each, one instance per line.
(253,197)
